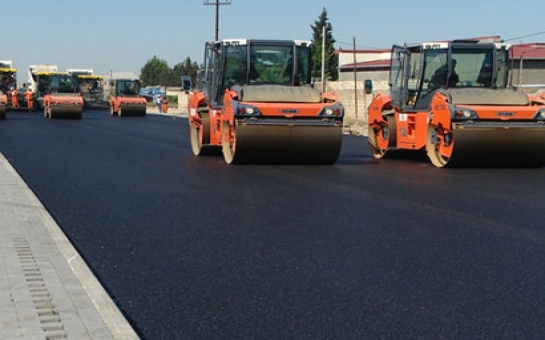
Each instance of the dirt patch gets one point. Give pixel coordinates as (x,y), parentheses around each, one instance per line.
(354,126)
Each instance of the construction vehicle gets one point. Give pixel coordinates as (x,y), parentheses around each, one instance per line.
(39,81)
(259,106)
(7,75)
(453,101)
(3,105)
(126,99)
(91,88)
(61,97)
(8,83)
(7,78)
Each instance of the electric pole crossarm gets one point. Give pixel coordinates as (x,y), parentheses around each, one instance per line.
(217,3)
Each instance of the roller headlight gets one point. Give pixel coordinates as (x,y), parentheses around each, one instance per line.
(336,110)
(464,113)
(247,110)
(540,114)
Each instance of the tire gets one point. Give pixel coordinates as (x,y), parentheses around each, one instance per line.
(200,137)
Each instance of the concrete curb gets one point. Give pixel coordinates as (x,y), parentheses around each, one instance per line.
(111,316)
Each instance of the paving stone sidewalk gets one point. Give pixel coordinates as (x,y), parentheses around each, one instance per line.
(46,289)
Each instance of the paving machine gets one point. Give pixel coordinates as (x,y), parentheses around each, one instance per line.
(452,100)
(8,83)
(61,98)
(7,76)
(258,105)
(126,99)
(91,88)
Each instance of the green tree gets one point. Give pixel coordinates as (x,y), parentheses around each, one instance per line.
(185,68)
(175,75)
(157,72)
(331,58)
(154,72)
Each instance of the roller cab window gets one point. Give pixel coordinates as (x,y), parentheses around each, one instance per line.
(284,63)
(271,64)
(64,83)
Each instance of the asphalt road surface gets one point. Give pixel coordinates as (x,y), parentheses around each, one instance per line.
(190,247)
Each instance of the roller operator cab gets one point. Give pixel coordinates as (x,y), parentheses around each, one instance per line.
(126,99)
(61,98)
(256,102)
(91,88)
(452,100)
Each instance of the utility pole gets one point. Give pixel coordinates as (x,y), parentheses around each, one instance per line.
(355,77)
(166,80)
(217,3)
(323,58)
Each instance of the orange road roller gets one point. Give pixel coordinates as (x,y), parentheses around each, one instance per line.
(126,99)
(62,99)
(452,100)
(258,105)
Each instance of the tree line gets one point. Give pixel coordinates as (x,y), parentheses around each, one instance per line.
(157,72)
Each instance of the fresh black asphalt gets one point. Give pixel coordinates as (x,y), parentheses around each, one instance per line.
(190,247)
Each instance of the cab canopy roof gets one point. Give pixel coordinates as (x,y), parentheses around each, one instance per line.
(6,63)
(42,68)
(46,73)
(79,71)
(246,41)
(6,66)
(443,45)
(89,76)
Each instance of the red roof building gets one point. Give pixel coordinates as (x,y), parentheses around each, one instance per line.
(528,66)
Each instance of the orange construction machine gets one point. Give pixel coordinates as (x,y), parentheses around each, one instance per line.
(3,105)
(61,97)
(126,99)
(8,86)
(91,87)
(258,104)
(452,100)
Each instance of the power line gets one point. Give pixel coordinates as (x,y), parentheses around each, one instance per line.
(525,36)
(358,46)
(377,48)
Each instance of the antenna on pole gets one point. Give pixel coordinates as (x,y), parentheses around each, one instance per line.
(217,3)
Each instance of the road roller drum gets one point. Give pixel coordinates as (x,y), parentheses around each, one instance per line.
(492,146)
(132,110)
(66,111)
(293,144)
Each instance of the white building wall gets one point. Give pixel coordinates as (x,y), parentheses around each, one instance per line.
(355,102)
(347,57)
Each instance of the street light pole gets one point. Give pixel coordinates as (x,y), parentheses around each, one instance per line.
(217,3)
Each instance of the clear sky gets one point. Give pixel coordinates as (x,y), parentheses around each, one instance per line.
(122,35)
